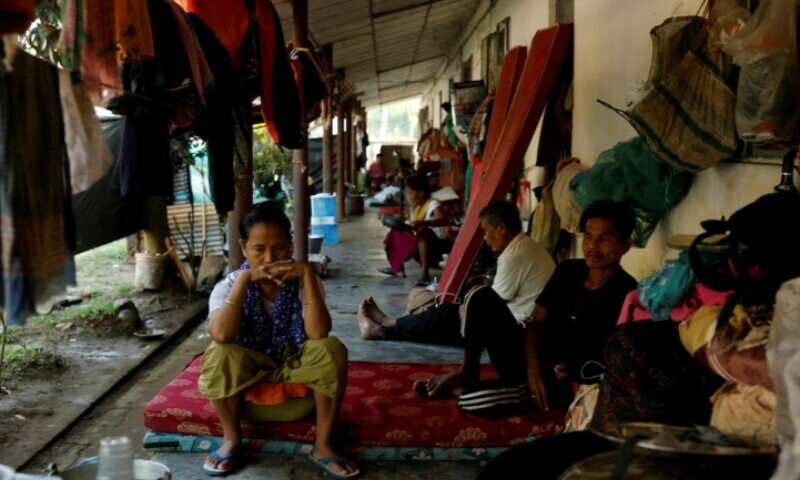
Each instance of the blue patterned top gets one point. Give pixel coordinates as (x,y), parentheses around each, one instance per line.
(263,332)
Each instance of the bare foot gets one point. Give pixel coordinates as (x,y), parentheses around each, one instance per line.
(442,386)
(370,330)
(376,314)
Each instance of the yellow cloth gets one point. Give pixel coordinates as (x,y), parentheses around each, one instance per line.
(228,369)
(419,212)
(699,329)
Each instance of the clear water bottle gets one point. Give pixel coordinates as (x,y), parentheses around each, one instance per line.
(116,459)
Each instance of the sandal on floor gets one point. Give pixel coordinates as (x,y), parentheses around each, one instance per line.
(390,272)
(232,458)
(324,464)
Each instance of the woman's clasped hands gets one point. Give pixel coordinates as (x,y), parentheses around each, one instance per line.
(277,272)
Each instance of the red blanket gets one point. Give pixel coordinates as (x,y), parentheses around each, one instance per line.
(379,410)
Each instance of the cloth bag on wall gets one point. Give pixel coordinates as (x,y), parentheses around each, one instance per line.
(546,225)
(687,118)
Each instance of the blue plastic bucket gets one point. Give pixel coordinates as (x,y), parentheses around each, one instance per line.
(323,218)
(323,205)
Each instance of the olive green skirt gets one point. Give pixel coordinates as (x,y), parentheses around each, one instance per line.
(228,369)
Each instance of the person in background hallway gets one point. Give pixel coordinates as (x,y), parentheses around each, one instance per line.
(426,240)
(376,174)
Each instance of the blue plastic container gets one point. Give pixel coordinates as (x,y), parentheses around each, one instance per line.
(323,218)
(323,205)
(330,233)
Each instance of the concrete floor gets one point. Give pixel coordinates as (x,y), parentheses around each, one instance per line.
(352,276)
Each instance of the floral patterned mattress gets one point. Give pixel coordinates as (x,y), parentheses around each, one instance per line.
(379,410)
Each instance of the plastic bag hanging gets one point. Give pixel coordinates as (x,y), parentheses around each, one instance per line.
(768,94)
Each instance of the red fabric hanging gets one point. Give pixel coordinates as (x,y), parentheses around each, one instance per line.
(16,15)
(280,102)
(228,21)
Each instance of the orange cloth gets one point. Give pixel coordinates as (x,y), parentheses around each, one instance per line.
(228,20)
(270,393)
(134,31)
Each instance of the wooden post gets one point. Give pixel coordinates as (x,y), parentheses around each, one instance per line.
(340,165)
(353,148)
(243,188)
(300,156)
(327,123)
(348,143)
(156,227)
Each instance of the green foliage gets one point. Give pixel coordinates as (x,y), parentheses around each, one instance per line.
(21,359)
(94,311)
(270,161)
(124,288)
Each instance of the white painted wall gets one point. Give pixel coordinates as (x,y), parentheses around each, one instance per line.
(612,55)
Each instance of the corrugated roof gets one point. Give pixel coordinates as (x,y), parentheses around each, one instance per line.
(389,49)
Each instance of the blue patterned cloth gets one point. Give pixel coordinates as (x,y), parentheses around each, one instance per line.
(263,332)
(665,289)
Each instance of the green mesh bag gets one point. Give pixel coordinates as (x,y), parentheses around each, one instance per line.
(629,173)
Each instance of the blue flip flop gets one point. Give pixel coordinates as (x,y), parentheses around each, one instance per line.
(233,460)
(324,464)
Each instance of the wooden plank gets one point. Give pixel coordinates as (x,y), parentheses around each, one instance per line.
(186,278)
(510,72)
(547,51)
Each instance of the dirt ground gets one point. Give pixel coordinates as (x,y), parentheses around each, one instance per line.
(59,364)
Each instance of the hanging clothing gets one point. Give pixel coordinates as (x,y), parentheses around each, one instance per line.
(215,123)
(280,101)
(16,15)
(201,76)
(224,20)
(33,190)
(87,150)
(92,34)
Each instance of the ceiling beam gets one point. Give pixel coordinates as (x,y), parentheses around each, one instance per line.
(404,9)
(409,64)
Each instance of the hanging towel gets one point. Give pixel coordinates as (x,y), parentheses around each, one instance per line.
(87,151)
(88,44)
(32,189)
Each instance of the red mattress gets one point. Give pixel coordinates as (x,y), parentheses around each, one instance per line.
(379,410)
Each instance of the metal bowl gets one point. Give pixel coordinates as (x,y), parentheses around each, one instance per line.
(142,470)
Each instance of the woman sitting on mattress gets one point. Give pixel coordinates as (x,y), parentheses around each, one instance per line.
(426,239)
(269,323)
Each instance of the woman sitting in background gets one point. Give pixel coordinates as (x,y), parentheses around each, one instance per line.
(269,323)
(427,239)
